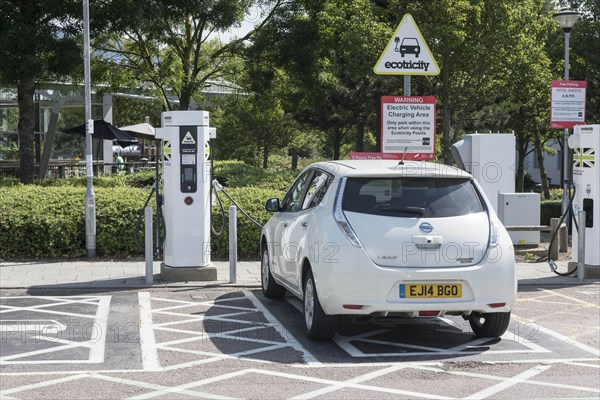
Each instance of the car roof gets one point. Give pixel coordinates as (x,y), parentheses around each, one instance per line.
(390,168)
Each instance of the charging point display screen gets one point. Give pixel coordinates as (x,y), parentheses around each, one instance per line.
(188,175)
(188,149)
(588,207)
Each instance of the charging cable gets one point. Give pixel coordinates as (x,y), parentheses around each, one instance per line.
(219,189)
(551,262)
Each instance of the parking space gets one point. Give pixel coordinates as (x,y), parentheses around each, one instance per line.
(451,338)
(53,329)
(226,343)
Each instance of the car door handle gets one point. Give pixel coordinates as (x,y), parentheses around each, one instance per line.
(304,224)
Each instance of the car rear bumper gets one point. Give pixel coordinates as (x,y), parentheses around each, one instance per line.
(354,280)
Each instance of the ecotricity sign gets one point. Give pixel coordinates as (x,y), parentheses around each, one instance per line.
(407,53)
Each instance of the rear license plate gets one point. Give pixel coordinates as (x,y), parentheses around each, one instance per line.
(430,291)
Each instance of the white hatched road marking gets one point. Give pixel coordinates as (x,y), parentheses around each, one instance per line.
(498,383)
(308,357)
(96,343)
(572,342)
(520,378)
(148,327)
(358,379)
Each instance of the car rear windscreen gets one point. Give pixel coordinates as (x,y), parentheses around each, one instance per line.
(412,197)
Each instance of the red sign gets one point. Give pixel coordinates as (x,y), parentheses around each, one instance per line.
(408,127)
(568,104)
(375,156)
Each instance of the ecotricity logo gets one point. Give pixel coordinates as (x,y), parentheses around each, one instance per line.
(407,46)
(407,52)
(401,65)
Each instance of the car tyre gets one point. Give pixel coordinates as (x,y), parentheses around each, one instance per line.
(270,288)
(489,324)
(319,326)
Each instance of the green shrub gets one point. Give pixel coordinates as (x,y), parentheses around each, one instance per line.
(49,222)
(252,200)
(232,173)
(142,179)
(549,209)
(8,181)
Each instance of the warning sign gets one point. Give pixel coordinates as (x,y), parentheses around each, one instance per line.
(408,126)
(188,139)
(407,53)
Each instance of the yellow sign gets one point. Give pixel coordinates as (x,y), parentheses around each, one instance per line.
(407,53)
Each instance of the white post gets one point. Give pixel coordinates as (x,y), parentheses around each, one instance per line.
(148,245)
(581,246)
(232,244)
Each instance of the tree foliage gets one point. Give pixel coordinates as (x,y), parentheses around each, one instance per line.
(169,44)
(38,44)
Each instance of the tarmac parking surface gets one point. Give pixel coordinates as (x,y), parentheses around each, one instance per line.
(234,343)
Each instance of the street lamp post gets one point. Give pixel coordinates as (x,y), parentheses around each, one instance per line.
(566,19)
(90,197)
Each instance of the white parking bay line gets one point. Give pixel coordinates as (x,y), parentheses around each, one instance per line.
(522,377)
(278,326)
(562,337)
(101,322)
(358,379)
(150,361)
(573,299)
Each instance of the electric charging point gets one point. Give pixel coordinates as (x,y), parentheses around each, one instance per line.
(585,143)
(187,202)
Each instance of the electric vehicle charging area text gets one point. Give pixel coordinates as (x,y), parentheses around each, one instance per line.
(585,143)
(187,206)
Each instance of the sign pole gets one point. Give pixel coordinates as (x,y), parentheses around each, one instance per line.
(407,122)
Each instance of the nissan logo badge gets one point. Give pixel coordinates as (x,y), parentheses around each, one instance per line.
(426,227)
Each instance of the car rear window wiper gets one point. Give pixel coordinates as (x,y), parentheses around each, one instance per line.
(409,210)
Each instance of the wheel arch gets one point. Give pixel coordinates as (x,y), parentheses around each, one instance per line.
(305,268)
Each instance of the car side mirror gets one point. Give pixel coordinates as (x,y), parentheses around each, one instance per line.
(272,205)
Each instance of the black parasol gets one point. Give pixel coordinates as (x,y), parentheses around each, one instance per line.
(106,131)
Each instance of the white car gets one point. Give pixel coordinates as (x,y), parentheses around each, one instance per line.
(386,238)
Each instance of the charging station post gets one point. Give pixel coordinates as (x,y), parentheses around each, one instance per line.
(585,143)
(186,187)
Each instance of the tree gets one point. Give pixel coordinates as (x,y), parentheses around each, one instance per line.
(584,55)
(38,43)
(253,124)
(168,43)
(327,50)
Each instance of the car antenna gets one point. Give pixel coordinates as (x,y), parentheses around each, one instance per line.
(403,155)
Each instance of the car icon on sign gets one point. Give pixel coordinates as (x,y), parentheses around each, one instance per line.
(408,46)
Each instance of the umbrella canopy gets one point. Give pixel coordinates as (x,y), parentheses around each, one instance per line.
(106,131)
(140,131)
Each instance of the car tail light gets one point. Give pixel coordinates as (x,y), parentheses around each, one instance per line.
(352,306)
(340,218)
(497,305)
(428,313)
(494,229)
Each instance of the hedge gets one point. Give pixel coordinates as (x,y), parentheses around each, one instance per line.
(49,222)
(549,209)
